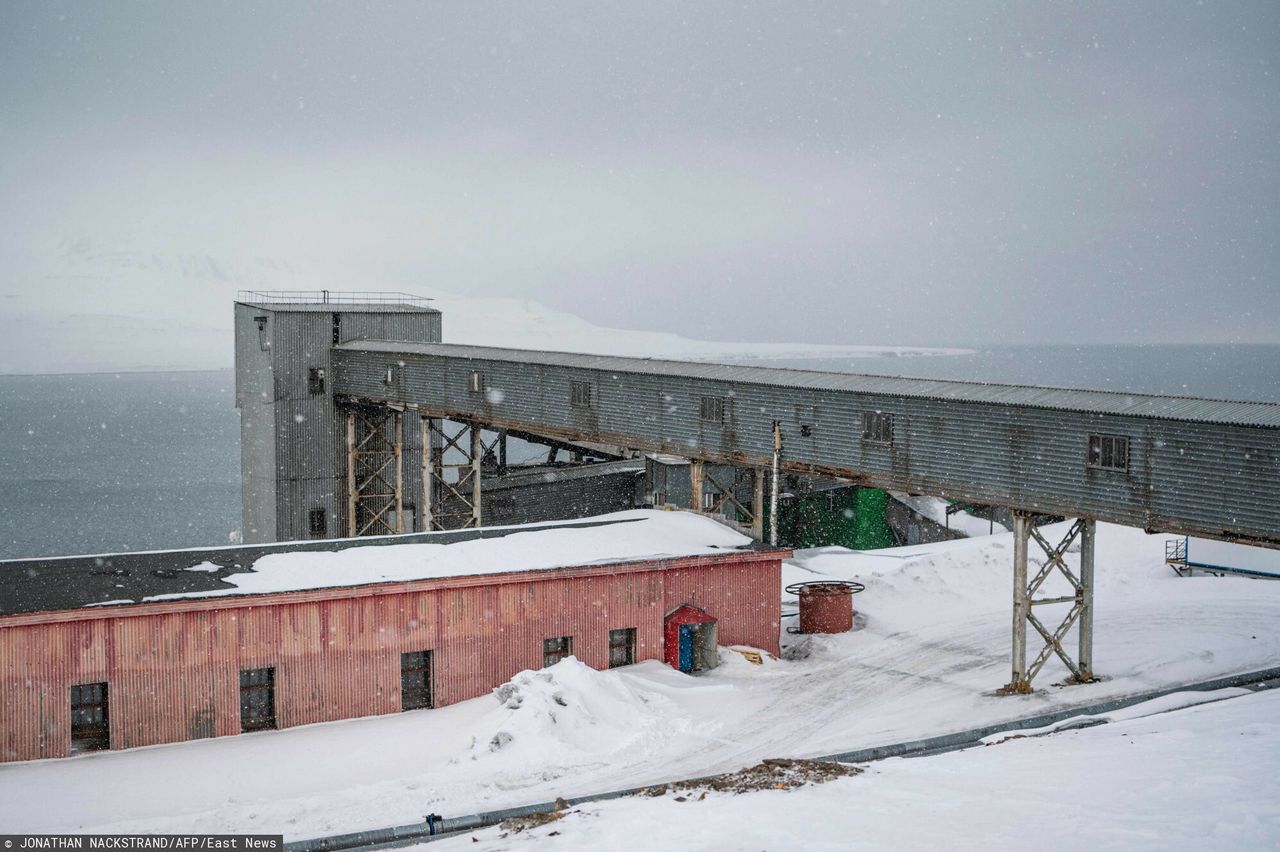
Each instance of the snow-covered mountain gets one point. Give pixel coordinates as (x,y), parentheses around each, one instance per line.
(95,309)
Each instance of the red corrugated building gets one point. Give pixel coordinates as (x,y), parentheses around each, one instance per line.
(257,648)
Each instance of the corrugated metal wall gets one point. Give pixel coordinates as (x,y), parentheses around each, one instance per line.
(1208,479)
(173,668)
(293,442)
(526,498)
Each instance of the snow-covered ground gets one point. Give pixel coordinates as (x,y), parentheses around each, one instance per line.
(931,646)
(935,510)
(1205,777)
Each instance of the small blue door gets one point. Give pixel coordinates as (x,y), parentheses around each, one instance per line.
(686,647)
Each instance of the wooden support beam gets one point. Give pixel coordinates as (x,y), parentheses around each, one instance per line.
(351,473)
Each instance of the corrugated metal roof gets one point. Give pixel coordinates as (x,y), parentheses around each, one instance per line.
(1103,402)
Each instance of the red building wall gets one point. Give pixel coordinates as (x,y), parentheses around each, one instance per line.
(173,667)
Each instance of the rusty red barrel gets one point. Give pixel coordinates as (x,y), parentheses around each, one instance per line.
(826,606)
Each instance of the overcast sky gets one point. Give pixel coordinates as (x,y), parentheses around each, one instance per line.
(890,173)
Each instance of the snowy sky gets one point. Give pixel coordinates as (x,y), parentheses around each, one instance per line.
(896,173)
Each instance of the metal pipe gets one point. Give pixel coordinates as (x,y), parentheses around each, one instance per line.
(773,485)
(1088,540)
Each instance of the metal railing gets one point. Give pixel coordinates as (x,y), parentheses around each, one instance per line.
(1175,550)
(331,297)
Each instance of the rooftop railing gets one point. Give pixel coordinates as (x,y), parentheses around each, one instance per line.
(331,297)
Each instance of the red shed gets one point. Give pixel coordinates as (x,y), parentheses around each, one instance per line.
(138,649)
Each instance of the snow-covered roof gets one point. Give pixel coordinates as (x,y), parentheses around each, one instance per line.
(111,579)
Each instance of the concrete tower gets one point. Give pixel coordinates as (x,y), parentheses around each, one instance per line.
(293,466)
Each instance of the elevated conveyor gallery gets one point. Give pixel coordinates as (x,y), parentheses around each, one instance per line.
(1199,467)
(1169,464)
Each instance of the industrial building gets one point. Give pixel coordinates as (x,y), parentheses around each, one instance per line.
(418,424)
(293,459)
(357,421)
(137,649)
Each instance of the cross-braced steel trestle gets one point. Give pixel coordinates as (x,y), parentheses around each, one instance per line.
(719,495)
(1025,602)
(375,471)
(451,493)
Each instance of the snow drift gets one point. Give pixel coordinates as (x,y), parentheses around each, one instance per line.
(570,708)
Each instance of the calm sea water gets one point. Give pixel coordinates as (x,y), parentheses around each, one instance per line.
(103,463)
(134,461)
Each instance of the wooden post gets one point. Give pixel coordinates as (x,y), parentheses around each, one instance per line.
(476,453)
(696,479)
(397,424)
(424,424)
(757,503)
(773,485)
(351,473)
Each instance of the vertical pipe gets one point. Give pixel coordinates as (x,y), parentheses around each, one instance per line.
(476,453)
(696,484)
(398,425)
(1087,541)
(1021,602)
(757,503)
(773,485)
(424,424)
(351,473)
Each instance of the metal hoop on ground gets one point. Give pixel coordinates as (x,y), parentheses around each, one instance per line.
(826,587)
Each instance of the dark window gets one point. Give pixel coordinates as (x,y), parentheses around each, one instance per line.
(337,329)
(807,417)
(1109,452)
(90,729)
(580,394)
(555,650)
(315,381)
(711,409)
(622,647)
(392,375)
(475,382)
(415,680)
(257,699)
(877,427)
(264,340)
(659,498)
(317,523)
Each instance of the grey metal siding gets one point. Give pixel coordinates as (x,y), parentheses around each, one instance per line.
(255,399)
(1206,478)
(293,442)
(526,499)
(1103,402)
(410,327)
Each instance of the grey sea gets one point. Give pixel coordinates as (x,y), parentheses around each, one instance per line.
(105,463)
